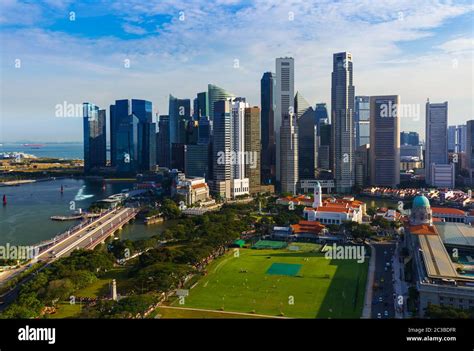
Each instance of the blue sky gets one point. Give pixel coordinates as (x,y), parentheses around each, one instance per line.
(417,49)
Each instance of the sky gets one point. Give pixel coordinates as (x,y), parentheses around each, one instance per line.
(61,52)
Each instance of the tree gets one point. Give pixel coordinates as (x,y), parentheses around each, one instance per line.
(59,289)
(437,312)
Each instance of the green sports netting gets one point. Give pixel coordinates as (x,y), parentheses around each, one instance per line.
(284,269)
(269,244)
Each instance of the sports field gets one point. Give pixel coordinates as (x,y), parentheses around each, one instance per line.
(283,282)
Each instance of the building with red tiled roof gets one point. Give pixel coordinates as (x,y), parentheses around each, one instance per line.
(449,214)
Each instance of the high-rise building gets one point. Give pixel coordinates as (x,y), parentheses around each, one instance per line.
(385,140)
(321,114)
(178,156)
(146,134)
(204,130)
(324,150)
(197,161)
(289,154)
(362,161)
(252,148)
(163,151)
(436,137)
(267,86)
(222,147)
(470,150)
(284,103)
(409,138)
(124,137)
(457,138)
(240,183)
(179,112)
(214,94)
(362,120)
(342,109)
(307,139)
(201,105)
(94,121)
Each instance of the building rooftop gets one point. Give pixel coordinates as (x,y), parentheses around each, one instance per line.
(448,211)
(456,234)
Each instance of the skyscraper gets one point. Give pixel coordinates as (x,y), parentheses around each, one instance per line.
(222,144)
(94,123)
(284,103)
(470,150)
(342,108)
(321,114)
(289,154)
(436,137)
(133,136)
(201,105)
(362,120)
(252,148)
(163,142)
(457,138)
(307,138)
(240,183)
(324,150)
(179,112)
(267,85)
(385,140)
(214,94)
(204,130)
(409,138)
(124,137)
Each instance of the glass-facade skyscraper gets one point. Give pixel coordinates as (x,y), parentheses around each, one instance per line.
(94,123)
(133,136)
(362,120)
(267,86)
(342,109)
(215,94)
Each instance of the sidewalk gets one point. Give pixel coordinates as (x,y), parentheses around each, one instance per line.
(367,311)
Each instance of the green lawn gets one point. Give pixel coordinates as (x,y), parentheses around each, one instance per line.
(165,313)
(321,289)
(101,286)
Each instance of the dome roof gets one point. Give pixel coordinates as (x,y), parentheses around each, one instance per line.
(421,201)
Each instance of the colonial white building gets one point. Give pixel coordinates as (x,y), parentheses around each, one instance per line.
(334,211)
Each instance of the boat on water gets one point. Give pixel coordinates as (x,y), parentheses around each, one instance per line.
(33,146)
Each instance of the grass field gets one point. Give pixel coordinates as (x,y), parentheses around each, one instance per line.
(322,288)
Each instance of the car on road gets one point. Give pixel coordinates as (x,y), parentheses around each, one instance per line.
(385,313)
(380,299)
(379,315)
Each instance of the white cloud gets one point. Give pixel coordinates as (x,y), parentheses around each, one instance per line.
(183,56)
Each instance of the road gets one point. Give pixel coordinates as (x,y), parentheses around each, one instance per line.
(383,297)
(87,236)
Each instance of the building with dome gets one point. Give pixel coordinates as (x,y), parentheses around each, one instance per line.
(421,212)
(442,258)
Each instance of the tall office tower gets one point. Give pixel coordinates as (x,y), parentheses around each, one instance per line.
(163,142)
(142,147)
(146,134)
(289,154)
(324,150)
(301,105)
(362,160)
(179,113)
(197,161)
(342,109)
(222,147)
(124,137)
(457,138)
(452,131)
(214,94)
(470,150)
(178,156)
(385,140)
(201,105)
(94,137)
(204,130)
(362,120)
(284,103)
(252,148)
(240,183)
(409,138)
(267,85)
(436,137)
(321,114)
(307,141)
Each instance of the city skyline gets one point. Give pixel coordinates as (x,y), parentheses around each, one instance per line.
(423,50)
